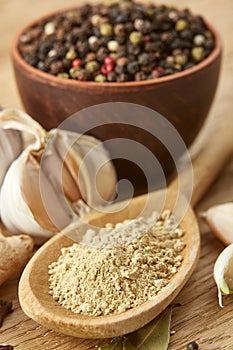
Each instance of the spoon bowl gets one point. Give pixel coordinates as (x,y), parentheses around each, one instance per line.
(39,305)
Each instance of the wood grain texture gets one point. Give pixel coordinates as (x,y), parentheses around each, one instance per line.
(199,318)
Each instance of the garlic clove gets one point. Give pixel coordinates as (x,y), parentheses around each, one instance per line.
(11,145)
(47,203)
(223,273)
(220,220)
(97,176)
(15,213)
(86,159)
(67,146)
(53,165)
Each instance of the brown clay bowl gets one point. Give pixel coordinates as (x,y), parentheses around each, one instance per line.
(183,98)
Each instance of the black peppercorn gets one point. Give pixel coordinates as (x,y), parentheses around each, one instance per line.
(120,69)
(101,54)
(31,59)
(134,49)
(111,77)
(133,67)
(192,346)
(123,77)
(56,67)
(140,76)
(84,75)
(144,59)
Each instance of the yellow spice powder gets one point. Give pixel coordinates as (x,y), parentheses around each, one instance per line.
(101,281)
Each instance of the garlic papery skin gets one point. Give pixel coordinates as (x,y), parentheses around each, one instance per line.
(11,145)
(223,273)
(15,119)
(220,220)
(21,203)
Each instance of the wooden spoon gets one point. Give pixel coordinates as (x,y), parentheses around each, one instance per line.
(33,288)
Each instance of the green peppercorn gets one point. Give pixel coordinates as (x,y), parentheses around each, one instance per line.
(100,78)
(150,13)
(74,72)
(71,14)
(63,75)
(181,24)
(71,54)
(106,29)
(177,66)
(198,53)
(181,59)
(135,38)
(92,66)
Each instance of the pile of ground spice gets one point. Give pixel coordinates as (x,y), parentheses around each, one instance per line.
(102,281)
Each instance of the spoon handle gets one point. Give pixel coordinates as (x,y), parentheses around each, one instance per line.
(210,161)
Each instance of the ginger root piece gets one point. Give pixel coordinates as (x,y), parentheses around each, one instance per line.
(15,251)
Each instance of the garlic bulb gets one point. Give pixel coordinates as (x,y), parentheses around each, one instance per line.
(223,273)
(51,183)
(220,220)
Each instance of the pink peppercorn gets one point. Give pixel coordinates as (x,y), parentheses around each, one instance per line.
(109,60)
(107,68)
(147,38)
(160,70)
(76,63)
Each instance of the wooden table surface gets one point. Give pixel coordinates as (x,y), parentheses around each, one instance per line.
(199,318)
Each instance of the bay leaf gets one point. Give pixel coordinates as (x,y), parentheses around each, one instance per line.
(119,343)
(155,335)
